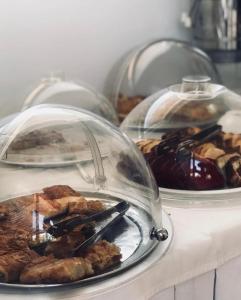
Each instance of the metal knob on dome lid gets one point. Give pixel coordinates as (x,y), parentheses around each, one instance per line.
(159,234)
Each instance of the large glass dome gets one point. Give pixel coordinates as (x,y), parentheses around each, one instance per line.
(152,67)
(56,89)
(190,134)
(74,192)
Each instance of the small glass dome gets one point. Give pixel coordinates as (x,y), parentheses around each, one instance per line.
(190,134)
(74,191)
(56,90)
(154,66)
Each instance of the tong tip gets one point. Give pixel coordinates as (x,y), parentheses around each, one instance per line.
(122,207)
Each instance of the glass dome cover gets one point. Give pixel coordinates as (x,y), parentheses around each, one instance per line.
(190,135)
(144,71)
(73,188)
(56,89)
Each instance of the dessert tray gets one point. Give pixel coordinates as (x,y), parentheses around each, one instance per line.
(128,235)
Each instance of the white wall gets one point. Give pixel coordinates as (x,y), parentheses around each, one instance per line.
(82,37)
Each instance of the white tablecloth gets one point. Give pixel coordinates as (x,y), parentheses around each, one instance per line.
(205,240)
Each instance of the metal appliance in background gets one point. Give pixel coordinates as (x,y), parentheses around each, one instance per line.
(216,28)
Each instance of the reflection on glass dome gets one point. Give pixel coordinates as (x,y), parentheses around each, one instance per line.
(155,66)
(77,199)
(56,90)
(190,135)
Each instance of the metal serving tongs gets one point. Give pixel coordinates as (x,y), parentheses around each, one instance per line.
(176,143)
(116,216)
(184,148)
(60,228)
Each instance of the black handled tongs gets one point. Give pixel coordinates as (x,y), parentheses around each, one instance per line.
(177,143)
(62,227)
(121,209)
(197,139)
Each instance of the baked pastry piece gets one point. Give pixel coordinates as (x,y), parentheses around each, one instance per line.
(11,264)
(64,197)
(47,269)
(209,150)
(22,227)
(59,191)
(52,270)
(233,171)
(231,142)
(103,255)
(64,245)
(227,159)
(180,134)
(85,207)
(181,110)
(126,104)
(13,238)
(197,111)
(147,145)
(22,211)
